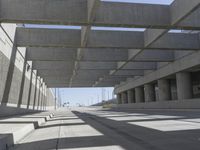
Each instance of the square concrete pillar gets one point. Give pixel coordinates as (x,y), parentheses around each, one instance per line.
(131,96)
(139,94)
(119,100)
(149,91)
(184,85)
(124,98)
(164,90)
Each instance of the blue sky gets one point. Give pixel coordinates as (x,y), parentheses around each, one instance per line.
(87,96)
(84,96)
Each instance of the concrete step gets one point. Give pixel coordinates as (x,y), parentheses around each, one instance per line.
(12,130)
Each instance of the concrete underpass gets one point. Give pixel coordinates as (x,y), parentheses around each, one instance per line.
(148,51)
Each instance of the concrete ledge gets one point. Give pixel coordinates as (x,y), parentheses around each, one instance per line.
(177,104)
(12,130)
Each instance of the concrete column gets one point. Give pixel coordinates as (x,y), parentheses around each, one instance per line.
(131,96)
(30,89)
(139,94)
(39,94)
(10,73)
(149,91)
(35,93)
(22,82)
(119,99)
(164,90)
(124,98)
(184,85)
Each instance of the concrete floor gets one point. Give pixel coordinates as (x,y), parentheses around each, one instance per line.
(94,129)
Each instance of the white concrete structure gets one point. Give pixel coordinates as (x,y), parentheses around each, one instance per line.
(153,57)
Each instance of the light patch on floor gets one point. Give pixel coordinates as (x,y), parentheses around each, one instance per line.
(140,117)
(121,115)
(165,117)
(114,147)
(128,118)
(168,125)
(73,121)
(195,120)
(79,131)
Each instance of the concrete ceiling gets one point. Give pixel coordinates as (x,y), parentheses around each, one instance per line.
(101,58)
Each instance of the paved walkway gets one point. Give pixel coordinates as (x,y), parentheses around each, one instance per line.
(92,129)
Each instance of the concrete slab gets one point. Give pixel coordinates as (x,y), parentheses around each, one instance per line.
(95,129)
(12,130)
(18,130)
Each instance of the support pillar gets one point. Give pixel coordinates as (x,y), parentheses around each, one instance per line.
(164,90)
(131,96)
(150,95)
(22,81)
(184,85)
(35,93)
(10,73)
(139,94)
(119,99)
(30,89)
(124,98)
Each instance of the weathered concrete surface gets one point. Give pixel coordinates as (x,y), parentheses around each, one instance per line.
(12,130)
(95,129)
(79,12)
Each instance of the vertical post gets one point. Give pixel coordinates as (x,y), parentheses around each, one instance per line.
(124,98)
(9,77)
(119,99)
(131,96)
(139,94)
(55,99)
(149,91)
(184,85)
(35,93)
(22,82)
(30,89)
(164,90)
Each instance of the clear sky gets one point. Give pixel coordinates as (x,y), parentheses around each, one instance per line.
(85,96)
(88,96)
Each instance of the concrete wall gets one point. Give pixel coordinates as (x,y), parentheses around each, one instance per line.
(23,92)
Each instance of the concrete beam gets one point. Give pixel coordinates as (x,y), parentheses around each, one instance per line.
(181,9)
(154,56)
(44,11)
(27,37)
(53,73)
(104,54)
(139,66)
(52,65)
(76,13)
(97,65)
(128,73)
(50,54)
(56,79)
(103,39)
